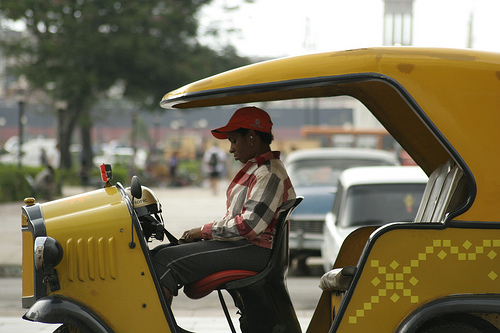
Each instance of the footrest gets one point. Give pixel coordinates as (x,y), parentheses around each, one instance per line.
(209,283)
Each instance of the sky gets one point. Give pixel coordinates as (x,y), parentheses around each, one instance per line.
(277,28)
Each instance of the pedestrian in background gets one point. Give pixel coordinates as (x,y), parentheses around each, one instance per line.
(214,161)
(172,166)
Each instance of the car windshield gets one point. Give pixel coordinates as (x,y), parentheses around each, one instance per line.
(325,172)
(379,204)
(315,204)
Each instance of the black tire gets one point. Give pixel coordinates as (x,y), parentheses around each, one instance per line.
(458,323)
(455,327)
(68,329)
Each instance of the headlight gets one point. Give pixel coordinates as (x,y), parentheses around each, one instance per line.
(48,253)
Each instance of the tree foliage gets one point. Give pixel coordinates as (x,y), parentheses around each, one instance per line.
(81,48)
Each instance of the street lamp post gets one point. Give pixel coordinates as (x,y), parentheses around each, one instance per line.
(21,132)
(22,88)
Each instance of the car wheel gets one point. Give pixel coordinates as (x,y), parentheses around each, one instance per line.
(68,329)
(451,327)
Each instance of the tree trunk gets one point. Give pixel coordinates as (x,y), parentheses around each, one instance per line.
(66,126)
(68,119)
(86,137)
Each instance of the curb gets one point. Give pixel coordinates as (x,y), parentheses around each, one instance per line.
(11,271)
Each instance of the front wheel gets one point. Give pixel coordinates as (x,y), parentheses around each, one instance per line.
(68,329)
(459,323)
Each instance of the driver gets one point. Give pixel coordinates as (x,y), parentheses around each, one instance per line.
(243,238)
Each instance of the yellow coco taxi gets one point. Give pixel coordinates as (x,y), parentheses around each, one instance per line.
(439,273)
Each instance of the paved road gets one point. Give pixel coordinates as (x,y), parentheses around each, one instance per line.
(183,208)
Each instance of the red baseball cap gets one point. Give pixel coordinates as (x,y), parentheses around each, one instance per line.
(249,117)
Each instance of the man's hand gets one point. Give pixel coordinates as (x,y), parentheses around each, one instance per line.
(192,235)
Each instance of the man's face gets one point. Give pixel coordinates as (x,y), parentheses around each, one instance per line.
(241,147)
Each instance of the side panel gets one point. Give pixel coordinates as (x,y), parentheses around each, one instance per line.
(406,268)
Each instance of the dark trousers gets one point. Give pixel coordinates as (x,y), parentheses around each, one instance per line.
(179,265)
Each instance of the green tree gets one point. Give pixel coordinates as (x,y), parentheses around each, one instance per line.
(82,48)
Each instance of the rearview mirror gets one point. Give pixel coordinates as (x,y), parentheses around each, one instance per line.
(135,187)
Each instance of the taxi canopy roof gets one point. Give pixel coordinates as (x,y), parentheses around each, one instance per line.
(437,103)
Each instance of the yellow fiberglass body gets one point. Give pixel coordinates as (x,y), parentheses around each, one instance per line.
(442,106)
(103,266)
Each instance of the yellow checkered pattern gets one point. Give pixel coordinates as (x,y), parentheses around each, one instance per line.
(396,281)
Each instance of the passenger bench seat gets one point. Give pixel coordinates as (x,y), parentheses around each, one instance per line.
(445,191)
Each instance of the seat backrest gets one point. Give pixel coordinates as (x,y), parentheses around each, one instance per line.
(280,254)
(277,266)
(445,187)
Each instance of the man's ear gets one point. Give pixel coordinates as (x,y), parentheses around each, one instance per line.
(252,134)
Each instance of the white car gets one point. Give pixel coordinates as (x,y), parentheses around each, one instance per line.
(371,196)
(31,152)
(314,174)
